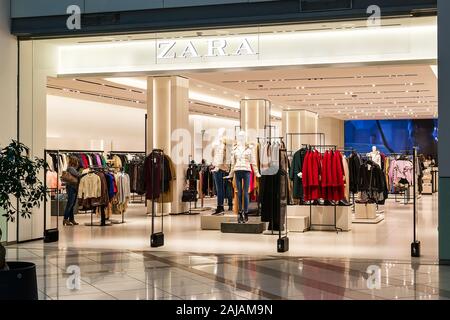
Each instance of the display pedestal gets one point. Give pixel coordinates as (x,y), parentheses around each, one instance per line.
(320,215)
(366,213)
(214,222)
(365,210)
(250,227)
(377,219)
(298,224)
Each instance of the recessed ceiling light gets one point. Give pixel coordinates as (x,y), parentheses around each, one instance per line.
(373,85)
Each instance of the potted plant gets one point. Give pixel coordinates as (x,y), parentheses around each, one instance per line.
(21,190)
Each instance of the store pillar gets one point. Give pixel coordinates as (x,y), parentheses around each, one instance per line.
(303,124)
(255,118)
(168,130)
(444,130)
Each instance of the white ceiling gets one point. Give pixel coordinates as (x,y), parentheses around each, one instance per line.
(370,92)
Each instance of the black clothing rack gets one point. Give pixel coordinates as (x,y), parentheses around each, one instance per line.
(162,155)
(279,157)
(102,223)
(311,224)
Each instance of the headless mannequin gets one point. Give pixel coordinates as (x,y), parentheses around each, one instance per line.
(375,156)
(243,161)
(220,171)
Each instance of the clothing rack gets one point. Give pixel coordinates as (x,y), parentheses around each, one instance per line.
(311,224)
(102,223)
(322,146)
(259,139)
(408,154)
(140,153)
(162,155)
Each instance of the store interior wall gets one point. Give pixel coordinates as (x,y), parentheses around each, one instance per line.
(8,94)
(87,125)
(333,129)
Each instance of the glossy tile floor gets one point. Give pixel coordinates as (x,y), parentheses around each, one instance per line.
(389,239)
(138,275)
(117,262)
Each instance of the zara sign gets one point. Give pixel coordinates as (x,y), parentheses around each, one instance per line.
(209,48)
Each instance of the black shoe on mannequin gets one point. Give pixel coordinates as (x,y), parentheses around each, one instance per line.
(245,217)
(219,211)
(241,217)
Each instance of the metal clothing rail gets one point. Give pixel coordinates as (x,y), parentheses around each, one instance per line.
(102,222)
(311,224)
(322,146)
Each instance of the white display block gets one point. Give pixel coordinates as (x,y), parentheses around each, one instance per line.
(365,210)
(298,224)
(215,222)
(298,211)
(427,188)
(325,215)
(210,222)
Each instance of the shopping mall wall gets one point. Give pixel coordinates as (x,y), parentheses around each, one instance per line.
(333,129)
(8,93)
(87,125)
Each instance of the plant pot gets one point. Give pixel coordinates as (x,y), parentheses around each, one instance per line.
(19,282)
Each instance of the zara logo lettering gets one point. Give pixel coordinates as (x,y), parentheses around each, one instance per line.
(214,48)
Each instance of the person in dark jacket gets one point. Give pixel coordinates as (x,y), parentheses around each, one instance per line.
(72,191)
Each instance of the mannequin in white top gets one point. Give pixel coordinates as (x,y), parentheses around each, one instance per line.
(243,160)
(375,156)
(221,168)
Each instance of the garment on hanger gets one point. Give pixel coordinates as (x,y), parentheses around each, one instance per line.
(354,165)
(274,195)
(158,175)
(372,183)
(296,167)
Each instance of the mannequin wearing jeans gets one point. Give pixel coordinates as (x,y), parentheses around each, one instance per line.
(243,159)
(220,171)
(220,188)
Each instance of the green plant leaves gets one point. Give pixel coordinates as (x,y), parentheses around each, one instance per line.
(19,181)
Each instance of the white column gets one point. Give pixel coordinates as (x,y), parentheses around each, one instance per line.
(255,115)
(168,129)
(300,121)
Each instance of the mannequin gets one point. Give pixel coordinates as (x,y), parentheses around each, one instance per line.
(219,149)
(375,156)
(243,160)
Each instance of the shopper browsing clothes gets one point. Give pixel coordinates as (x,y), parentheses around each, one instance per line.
(71,178)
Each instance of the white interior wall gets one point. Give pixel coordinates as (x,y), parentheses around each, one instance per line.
(334,131)
(197,123)
(85,125)
(8,94)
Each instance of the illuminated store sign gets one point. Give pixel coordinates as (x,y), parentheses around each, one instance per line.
(172,49)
